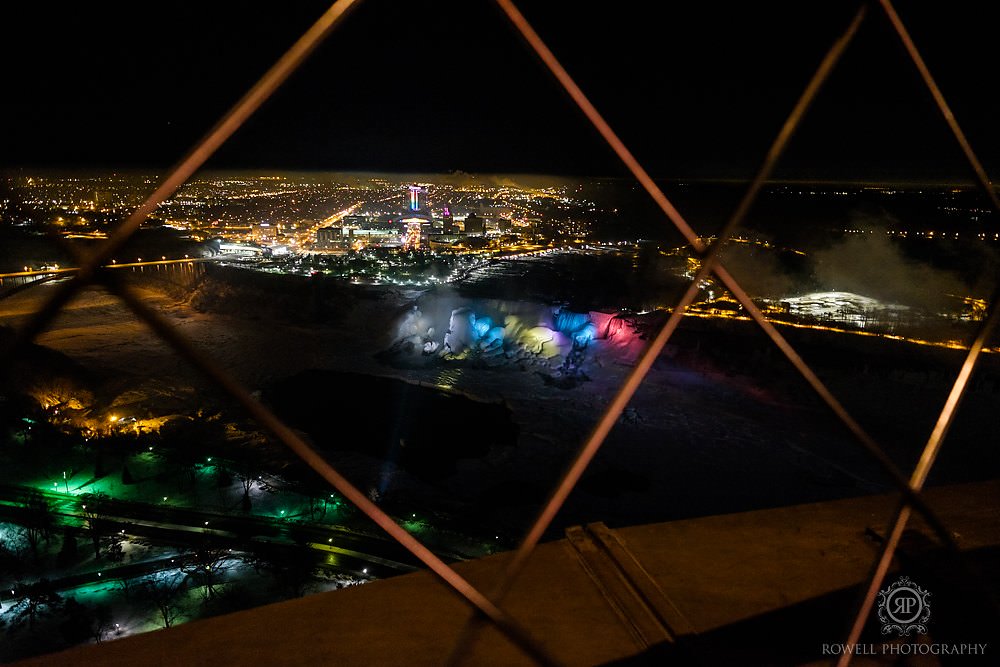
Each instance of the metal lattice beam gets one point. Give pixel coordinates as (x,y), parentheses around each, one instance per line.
(949,410)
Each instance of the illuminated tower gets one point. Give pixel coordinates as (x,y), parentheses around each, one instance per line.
(415,216)
(416,198)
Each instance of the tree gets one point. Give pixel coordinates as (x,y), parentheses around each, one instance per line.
(163,590)
(94,506)
(113,548)
(244,453)
(207,566)
(187,443)
(127,587)
(100,622)
(34,601)
(248,478)
(36,520)
(12,554)
(248,472)
(317,508)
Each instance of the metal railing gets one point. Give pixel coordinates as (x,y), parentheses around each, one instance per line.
(486,607)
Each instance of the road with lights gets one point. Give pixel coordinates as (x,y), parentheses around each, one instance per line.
(336,547)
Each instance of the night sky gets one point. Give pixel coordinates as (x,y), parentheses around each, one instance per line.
(448,85)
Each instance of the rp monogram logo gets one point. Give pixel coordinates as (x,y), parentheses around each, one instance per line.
(904,607)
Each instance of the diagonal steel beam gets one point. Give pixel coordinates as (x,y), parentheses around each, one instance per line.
(867,442)
(942,104)
(947,415)
(269,421)
(919,476)
(234,118)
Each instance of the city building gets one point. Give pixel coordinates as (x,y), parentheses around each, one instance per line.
(347,238)
(448,225)
(474,224)
(243,250)
(329,237)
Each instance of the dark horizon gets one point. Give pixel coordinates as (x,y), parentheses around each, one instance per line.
(448,86)
(158,171)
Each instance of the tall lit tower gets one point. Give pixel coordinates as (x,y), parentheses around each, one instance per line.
(416,217)
(416,199)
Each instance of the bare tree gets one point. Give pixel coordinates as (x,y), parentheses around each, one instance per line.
(94,506)
(244,453)
(35,520)
(13,554)
(127,587)
(317,508)
(207,566)
(248,470)
(34,601)
(100,622)
(248,477)
(163,590)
